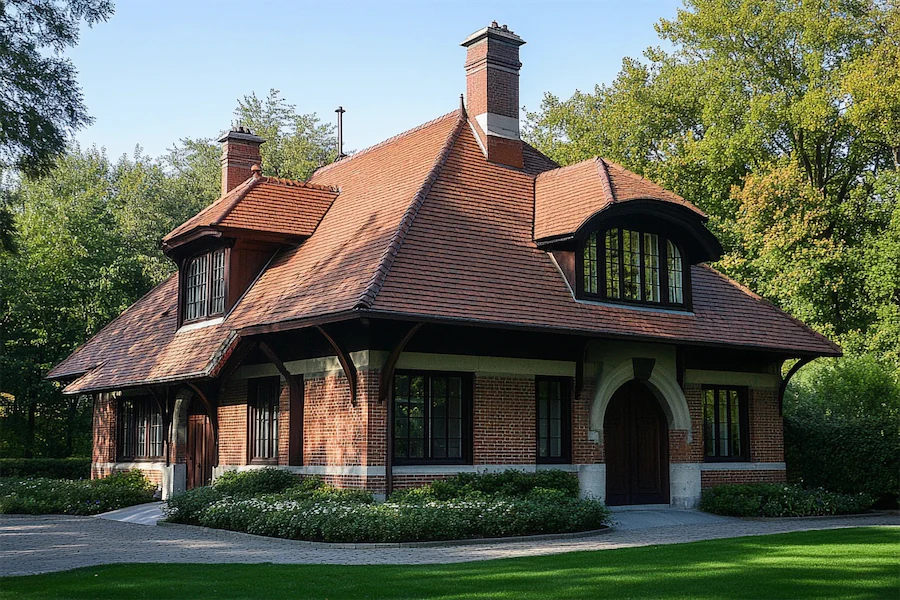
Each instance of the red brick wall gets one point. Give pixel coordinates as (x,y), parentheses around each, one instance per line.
(284,424)
(334,431)
(584,451)
(766,427)
(232,415)
(679,449)
(104,427)
(503,421)
(713,478)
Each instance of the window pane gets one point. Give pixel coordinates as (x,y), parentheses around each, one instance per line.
(631,253)
(676,274)
(218,282)
(735,423)
(156,431)
(265,419)
(651,267)
(195,290)
(612,264)
(722,422)
(709,415)
(590,264)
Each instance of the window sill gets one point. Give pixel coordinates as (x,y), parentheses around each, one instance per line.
(199,324)
(668,309)
(263,461)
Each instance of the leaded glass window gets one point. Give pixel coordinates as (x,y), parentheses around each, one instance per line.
(553,427)
(725,419)
(264,399)
(431,417)
(140,429)
(204,286)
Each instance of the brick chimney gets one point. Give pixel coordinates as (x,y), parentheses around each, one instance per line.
(492,91)
(240,151)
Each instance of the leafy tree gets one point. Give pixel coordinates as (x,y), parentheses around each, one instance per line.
(778,119)
(40,101)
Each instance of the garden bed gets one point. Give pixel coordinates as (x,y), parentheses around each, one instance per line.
(275,503)
(41,496)
(780,500)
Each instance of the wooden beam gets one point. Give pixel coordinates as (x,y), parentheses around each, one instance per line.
(346,363)
(390,365)
(295,428)
(787,378)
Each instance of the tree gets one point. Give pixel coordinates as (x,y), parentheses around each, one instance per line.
(40,101)
(763,114)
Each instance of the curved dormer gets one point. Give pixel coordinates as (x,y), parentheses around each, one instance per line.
(620,238)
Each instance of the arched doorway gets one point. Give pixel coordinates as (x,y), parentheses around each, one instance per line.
(636,445)
(200,451)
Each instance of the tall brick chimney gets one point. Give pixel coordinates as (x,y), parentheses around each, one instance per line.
(240,151)
(492,91)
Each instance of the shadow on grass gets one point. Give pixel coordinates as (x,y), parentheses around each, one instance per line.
(848,563)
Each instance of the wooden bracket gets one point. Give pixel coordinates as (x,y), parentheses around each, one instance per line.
(787,378)
(579,368)
(346,363)
(390,365)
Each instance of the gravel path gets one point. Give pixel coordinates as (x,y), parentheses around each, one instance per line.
(41,544)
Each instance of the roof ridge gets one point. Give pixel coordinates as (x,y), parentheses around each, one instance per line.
(762,300)
(558,170)
(298,183)
(382,143)
(367,298)
(605,181)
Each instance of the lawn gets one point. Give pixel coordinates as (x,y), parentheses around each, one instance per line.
(847,563)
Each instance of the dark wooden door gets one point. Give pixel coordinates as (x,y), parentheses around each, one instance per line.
(636,447)
(200,447)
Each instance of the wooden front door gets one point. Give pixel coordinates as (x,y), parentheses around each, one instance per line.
(200,447)
(637,449)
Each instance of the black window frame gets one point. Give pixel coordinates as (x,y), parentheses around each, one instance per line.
(255,387)
(209,285)
(467,396)
(565,417)
(599,236)
(743,424)
(133,414)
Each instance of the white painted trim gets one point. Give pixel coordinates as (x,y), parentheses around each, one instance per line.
(743,466)
(637,307)
(200,325)
(753,380)
(672,397)
(499,125)
(357,470)
(454,469)
(143,466)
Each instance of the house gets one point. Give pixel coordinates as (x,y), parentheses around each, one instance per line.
(449,300)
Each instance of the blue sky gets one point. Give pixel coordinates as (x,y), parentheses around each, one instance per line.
(162,70)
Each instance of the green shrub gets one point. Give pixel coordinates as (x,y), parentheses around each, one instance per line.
(780,500)
(49,468)
(74,497)
(253,483)
(335,520)
(507,484)
(841,414)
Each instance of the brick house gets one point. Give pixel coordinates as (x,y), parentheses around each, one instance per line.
(449,300)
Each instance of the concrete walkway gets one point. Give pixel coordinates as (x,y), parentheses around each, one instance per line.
(40,544)
(142,514)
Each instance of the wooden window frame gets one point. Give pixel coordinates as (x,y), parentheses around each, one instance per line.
(743,426)
(467,399)
(208,284)
(598,236)
(141,413)
(253,389)
(566,418)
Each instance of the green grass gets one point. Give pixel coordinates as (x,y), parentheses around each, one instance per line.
(847,563)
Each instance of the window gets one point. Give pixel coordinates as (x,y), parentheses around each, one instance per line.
(204,286)
(432,417)
(140,429)
(263,401)
(627,265)
(554,436)
(725,420)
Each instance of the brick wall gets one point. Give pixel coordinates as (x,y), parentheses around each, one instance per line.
(680,451)
(104,427)
(766,427)
(503,421)
(714,478)
(334,431)
(584,451)
(232,415)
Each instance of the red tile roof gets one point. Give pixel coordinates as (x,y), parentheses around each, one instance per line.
(425,227)
(565,198)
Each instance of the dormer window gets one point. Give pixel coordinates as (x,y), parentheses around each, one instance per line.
(204,286)
(629,265)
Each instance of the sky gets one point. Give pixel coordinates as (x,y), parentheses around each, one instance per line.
(162,70)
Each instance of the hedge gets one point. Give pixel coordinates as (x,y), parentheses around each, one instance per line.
(50,468)
(780,500)
(74,497)
(464,506)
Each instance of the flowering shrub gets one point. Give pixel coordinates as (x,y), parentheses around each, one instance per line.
(74,497)
(315,511)
(778,500)
(509,483)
